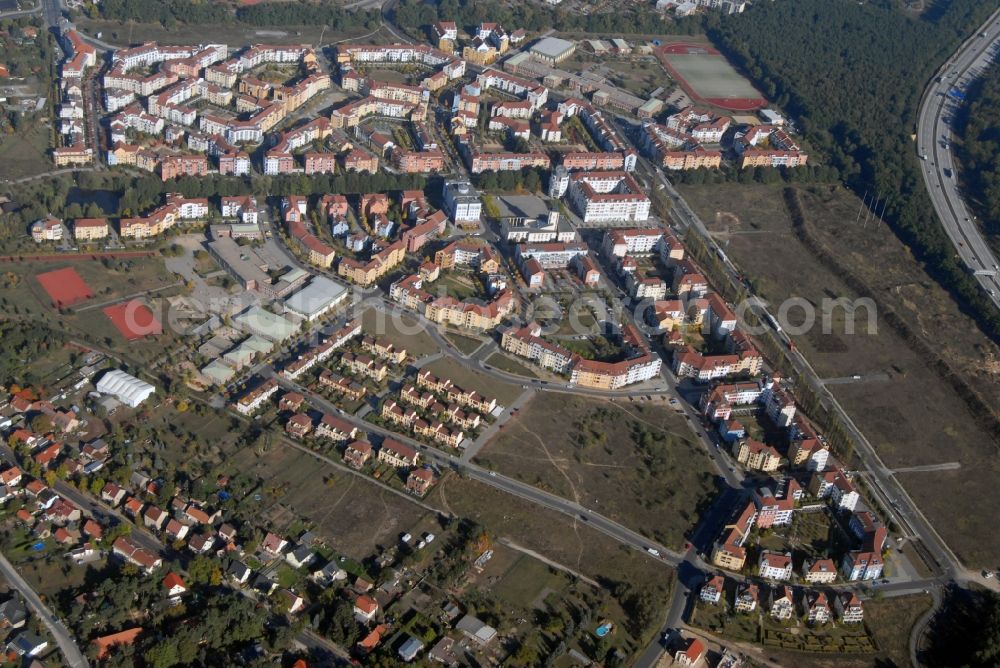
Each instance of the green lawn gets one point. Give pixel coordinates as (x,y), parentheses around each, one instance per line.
(634,462)
(504,363)
(461,285)
(466,344)
(400,329)
(468,379)
(720,620)
(26,152)
(522,584)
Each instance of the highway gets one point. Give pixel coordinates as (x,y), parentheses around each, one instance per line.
(71,653)
(934,146)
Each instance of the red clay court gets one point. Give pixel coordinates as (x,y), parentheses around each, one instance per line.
(65,287)
(707,77)
(133,320)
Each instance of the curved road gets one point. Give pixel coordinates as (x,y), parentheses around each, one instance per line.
(71,653)
(934,146)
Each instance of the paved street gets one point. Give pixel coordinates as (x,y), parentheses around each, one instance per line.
(935,146)
(446,461)
(67,645)
(889,493)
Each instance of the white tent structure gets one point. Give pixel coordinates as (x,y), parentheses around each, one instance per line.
(126,388)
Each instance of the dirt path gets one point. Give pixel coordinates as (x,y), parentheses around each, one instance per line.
(555,463)
(640,419)
(545,560)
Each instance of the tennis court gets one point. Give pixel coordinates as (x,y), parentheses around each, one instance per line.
(65,287)
(708,77)
(133,320)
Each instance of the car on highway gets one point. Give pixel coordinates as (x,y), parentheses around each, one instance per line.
(653,551)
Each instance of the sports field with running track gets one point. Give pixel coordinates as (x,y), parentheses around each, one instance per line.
(708,78)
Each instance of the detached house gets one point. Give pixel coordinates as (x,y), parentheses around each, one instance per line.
(11,477)
(692,653)
(849,608)
(174,585)
(365,608)
(113,494)
(176,530)
(419,481)
(299,425)
(133,507)
(782,605)
(711,591)
(300,556)
(202,543)
(154,518)
(775,566)
(746,598)
(13,614)
(274,544)
(291,401)
(817,608)
(239,572)
(821,571)
(357,454)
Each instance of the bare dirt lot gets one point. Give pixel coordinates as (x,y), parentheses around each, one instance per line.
(916,370)
(632,462)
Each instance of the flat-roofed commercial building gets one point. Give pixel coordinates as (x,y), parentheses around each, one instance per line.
(552,50)
(321,296)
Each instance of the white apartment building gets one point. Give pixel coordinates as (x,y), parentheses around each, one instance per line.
(462,202)
(601,197)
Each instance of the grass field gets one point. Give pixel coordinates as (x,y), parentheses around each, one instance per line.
(573,545)
(909,411)
(543,598)
(353,516)
(504,363)
(526,580)
(235,35)
(25,153)
(189,441)
(467,344)
(400,329)
(25,297)
(551,534)
(709,75)
(469,379)
(810,536)
(889,621)
(632,462)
